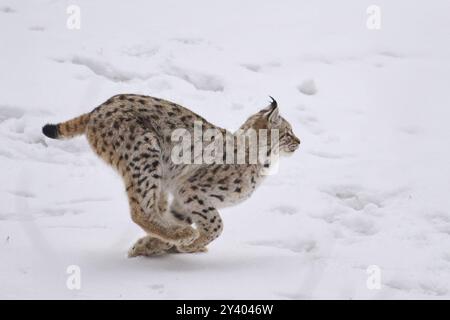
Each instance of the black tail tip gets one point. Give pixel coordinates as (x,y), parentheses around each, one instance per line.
(50,130)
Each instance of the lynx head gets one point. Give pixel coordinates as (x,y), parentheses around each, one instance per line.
(270,118)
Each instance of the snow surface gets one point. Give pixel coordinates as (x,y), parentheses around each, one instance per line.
(368,186)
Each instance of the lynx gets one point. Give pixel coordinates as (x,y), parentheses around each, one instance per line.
(133,133)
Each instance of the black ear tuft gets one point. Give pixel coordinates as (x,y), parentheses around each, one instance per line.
(273,114)
(274,103)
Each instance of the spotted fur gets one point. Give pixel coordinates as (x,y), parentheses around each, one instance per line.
(132,133)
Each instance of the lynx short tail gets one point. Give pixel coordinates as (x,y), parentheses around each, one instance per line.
(68,129)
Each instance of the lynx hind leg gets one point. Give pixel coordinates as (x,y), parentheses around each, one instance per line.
(149,246)
(163,203)
(143,180)
(206,218)
(151,222)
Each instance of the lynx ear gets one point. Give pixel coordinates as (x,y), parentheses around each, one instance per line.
(274,103)
(272,112)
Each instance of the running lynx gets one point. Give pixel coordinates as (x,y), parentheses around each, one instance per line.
(134,134)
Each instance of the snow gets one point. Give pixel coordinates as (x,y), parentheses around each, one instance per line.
(308,87)
(368,185)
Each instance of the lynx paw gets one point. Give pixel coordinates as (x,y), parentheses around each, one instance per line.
(188,249)
(149,246)
(184,236)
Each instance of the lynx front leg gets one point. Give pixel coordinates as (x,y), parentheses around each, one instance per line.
(208,223)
